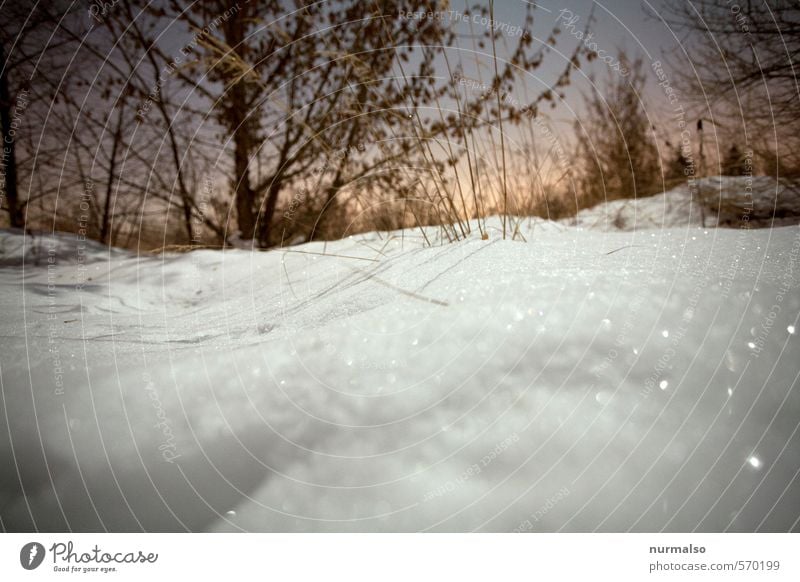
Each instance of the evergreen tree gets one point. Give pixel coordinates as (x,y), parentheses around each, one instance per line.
(680,167)
(734,163)
(616,150)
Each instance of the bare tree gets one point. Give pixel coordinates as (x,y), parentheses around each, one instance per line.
(310,112)
(616,144)
(734,163)
(31,50)
(743,70)
(313,98)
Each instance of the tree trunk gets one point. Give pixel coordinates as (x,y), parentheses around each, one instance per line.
(105,227)
(16,217)
(236,118)
(186,197)
(269,212)
(245,197)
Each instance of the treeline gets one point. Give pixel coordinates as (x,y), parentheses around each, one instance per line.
(266,123)
(155,123)
(627,146)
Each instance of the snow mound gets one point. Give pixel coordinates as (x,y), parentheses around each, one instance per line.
(731,201)
(33,248)
(579,381)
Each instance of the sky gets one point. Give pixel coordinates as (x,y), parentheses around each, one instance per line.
(634,26)
(618,25)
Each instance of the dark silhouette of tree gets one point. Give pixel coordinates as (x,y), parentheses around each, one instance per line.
(341,85)
(678,167)
(31,51)
(616,148)
(734,163)
(744,70)
(265,120)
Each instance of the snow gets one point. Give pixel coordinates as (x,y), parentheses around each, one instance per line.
(35,249)
(727,199)
(587,379)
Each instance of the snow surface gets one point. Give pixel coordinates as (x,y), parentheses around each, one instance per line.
(725,201)
(582,380)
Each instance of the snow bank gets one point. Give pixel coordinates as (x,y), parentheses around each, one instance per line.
(582,380)
(718,200)
(18,248)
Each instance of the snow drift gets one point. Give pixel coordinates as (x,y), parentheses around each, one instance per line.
(584,380)
(727,201)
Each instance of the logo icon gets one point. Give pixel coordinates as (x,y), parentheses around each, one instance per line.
(31,555)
